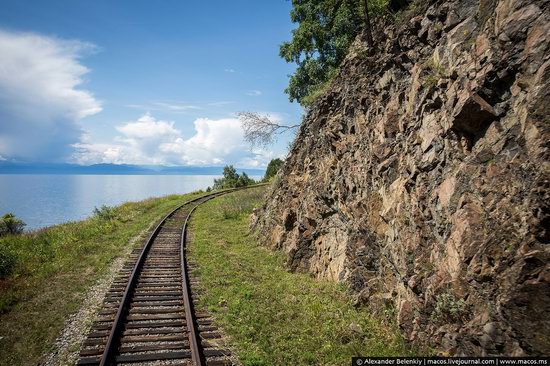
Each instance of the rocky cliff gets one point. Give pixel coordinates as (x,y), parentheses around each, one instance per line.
(421,178)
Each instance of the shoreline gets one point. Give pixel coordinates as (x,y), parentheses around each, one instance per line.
(55,267)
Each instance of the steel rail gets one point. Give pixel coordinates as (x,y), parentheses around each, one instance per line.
(195,345)
(111,344)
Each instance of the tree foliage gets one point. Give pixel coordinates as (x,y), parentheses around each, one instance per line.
(231,179)
(326,29)
(272,168)
(9,224)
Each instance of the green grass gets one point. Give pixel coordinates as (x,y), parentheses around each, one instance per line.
(53,268)
(316,93)
(271,316)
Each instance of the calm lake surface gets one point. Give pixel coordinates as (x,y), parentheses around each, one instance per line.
(44,200)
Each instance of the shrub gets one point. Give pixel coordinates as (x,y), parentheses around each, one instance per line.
(105,213)
(449,308)
(7,261)
(233,207)
(230,212)
(11,225)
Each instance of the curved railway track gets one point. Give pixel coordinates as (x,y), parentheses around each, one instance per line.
(148,315)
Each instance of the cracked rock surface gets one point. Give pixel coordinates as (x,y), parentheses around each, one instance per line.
(421,178)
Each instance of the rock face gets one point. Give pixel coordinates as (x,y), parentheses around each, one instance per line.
(422,177)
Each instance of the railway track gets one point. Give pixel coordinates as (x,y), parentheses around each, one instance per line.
(148,315)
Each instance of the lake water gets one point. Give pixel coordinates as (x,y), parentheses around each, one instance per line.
(44,200)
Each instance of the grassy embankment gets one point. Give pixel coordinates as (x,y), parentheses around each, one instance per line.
(53,268)
(271,316)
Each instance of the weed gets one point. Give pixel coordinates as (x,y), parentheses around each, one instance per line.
(234,207)
(105,213)
(430,81)
(436,71)
(397,17)
(439,70)
(409,10)
(7,261)
(449,308)
(426,268)
(510,246)
(318,91)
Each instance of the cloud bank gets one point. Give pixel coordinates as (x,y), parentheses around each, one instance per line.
(40,102)
(150,141)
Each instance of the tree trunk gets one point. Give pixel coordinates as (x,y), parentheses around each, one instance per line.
(370,41)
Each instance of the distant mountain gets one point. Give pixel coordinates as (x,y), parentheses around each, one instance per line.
(113,169)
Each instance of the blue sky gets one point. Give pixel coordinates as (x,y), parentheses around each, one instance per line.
(141,82)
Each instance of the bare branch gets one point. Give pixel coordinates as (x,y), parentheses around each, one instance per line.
(261,130)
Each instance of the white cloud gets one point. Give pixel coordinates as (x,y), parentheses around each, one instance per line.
(176,106)
(258,159)
(138,106)
(146,127)
(165,106)
(229,70)
(90,153)
(40,103)
(151,141)
(254,93)
(214,141)
(220,103)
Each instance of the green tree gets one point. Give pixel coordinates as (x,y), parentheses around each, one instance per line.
(326,29)
(272,168)
(231,179)
(244,180)
(230,175)
(9,224)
